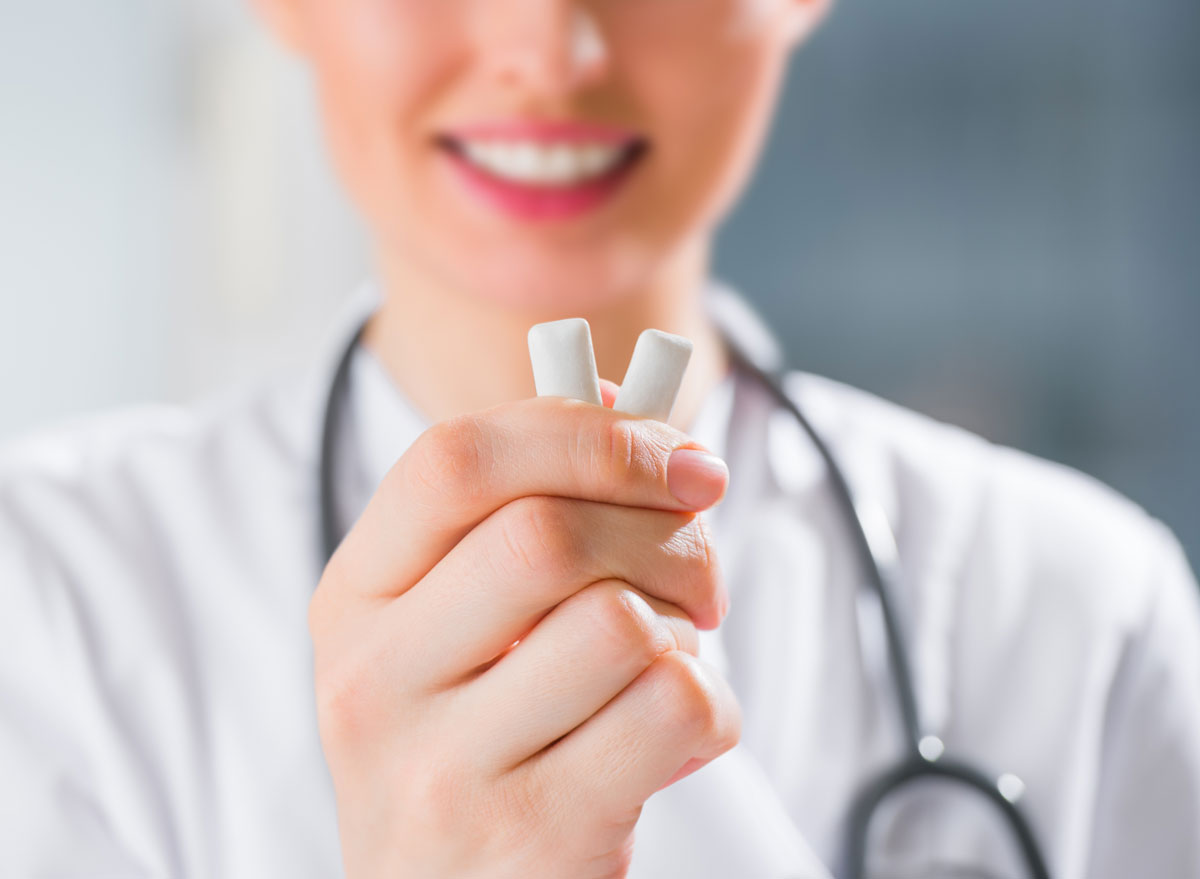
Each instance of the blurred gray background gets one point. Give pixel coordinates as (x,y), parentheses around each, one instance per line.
(987,212)
(990,212)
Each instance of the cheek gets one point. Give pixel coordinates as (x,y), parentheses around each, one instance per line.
(709,93)
(376,64)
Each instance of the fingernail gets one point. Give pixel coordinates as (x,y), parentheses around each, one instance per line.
(696,478)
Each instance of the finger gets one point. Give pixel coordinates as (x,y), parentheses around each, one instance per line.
(585,652)
(459,471)
(608,392)
(534,553)
(677,711)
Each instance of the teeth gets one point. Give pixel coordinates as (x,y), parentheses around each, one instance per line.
(543,164)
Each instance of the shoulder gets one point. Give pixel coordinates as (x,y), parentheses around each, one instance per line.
(967,508)
(1044,607)
(115,477)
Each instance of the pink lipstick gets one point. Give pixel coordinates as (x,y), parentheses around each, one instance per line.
(542,170)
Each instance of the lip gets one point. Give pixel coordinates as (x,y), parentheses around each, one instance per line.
(546,130)
(541,203)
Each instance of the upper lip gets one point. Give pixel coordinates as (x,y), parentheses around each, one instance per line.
(545,131)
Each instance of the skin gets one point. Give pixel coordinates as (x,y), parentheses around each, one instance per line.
(501,691)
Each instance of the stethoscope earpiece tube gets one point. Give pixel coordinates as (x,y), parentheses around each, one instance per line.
(330,529)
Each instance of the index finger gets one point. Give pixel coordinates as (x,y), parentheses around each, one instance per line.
(460,471)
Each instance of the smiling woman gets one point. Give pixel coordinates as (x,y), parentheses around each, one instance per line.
(554,628)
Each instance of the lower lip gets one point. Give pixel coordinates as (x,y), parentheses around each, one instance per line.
(541,203)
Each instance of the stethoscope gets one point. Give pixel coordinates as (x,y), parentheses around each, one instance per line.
(925,756)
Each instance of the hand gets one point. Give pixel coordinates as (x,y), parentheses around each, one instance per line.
(506,645)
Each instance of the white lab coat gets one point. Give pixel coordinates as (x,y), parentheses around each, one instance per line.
(156,706)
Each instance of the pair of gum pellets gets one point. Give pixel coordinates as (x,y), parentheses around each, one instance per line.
(564,365)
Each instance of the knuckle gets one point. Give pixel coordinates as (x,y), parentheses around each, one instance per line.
(624,625)
(627,451)
(447,461)
(343,701)
(694,705)
(437,790)
(698,543)
(688,544)
(699,556)
(689,564)
(515,805)
(451,799)
(442,801)
(538,535)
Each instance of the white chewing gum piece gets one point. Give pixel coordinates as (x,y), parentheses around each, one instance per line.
(654,375)
(564,364)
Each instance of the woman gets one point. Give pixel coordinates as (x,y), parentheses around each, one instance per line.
(497,674)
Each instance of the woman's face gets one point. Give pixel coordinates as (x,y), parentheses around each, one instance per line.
(545,152)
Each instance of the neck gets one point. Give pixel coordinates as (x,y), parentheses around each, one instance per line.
(451,353)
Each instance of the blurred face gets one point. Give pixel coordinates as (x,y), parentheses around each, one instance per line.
(544,153)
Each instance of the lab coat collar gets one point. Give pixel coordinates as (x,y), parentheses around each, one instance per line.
(381,422)
(778,452)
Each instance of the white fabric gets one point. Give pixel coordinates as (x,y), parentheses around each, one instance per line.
(156,711)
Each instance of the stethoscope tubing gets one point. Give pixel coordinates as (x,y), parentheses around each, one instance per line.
(881,575)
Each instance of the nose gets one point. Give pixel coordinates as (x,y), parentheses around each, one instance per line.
(545,47)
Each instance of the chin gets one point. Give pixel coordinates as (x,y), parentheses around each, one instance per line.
(553,287)
(550,295)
